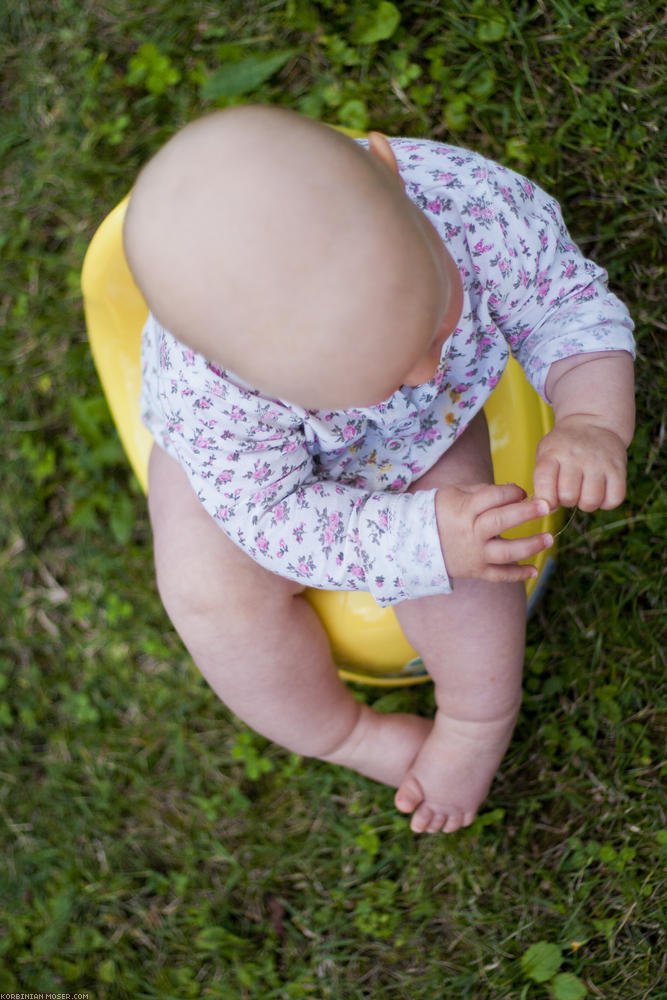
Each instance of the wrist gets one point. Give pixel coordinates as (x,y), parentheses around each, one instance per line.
(592,421)
(596,390)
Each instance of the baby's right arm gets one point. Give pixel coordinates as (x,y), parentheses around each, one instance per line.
(248,461)
(471,520)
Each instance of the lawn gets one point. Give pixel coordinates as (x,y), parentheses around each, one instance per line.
(152,846)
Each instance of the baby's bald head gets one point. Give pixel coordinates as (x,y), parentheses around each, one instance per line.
(283,251)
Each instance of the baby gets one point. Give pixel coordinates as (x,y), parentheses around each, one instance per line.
(328,317)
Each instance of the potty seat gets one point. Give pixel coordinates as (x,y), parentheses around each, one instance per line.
(367,642)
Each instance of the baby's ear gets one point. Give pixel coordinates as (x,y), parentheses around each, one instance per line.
(379,147)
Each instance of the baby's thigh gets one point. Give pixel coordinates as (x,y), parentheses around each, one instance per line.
(199,570)
(467,461)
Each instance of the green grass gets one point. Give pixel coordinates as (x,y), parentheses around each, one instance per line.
(151,846)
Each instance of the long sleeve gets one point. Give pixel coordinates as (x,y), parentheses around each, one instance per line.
(524,276)
(248,461)
(560,304)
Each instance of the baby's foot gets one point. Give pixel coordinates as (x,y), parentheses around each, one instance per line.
(452,772)
(382,746)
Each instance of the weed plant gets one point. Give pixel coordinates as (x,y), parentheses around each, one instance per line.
(153,847)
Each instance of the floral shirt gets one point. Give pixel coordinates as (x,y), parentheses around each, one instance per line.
(320,497)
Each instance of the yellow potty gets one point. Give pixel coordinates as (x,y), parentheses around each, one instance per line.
(367,641)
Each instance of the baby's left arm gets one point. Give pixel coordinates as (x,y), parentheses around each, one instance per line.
(582,461)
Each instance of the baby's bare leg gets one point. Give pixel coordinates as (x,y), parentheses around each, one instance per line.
(260,645)
(472,643)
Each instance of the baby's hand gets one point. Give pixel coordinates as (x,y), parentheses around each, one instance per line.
(580,464)
(470,521)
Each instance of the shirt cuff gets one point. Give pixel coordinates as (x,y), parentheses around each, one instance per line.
(402,533)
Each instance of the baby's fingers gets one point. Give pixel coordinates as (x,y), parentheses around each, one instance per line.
(501,551)
(510,573)
(602,490)
(570,491)
(589,489)
(545,480)
(493,496)
(591,492)
(493,522)
(615,488)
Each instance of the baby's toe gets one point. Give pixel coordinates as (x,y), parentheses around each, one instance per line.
(438,822)
(409,795)
(454,821)
(421,819)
